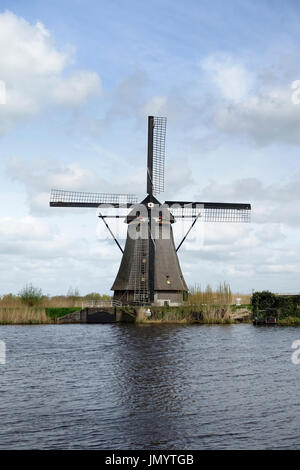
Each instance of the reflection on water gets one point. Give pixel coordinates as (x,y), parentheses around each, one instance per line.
(149,387)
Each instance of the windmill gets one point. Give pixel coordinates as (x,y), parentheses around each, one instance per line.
(150,271)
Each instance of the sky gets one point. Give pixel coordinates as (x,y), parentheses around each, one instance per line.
(80,79)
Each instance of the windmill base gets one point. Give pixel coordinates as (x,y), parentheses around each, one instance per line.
(161,298)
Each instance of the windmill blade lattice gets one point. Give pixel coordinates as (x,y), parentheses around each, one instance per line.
(211,212)
(159,153)
(61,198)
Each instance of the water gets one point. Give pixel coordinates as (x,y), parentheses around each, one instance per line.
(149,387)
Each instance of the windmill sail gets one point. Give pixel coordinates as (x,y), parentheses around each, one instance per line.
(211,211)
(60,198)
(156,154)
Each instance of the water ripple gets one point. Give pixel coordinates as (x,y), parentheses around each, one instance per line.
(149,387)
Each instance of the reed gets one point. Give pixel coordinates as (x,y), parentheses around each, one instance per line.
(202,306)
(207,314)
(207,297)
(47,302)
(212,314)
(59,301)
(23,315)
(211,306)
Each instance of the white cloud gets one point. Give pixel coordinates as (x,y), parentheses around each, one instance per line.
(54,256)
(235,253)
(268,117)
(156,106)
(273,203)
(231,78)
(128,96)
(178,175)
(28,50)
(25,228)
(230,240)
(278,268)
(76,89)
(255,104)
(41,175)
(35,72)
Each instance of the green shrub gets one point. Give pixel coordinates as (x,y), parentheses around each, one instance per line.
(286,307)
(262,301)
(31,296)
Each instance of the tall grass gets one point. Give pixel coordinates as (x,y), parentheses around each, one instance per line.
(23,315)
(213,314)
(10,301)
(59,301)
(203,305)
(13,310)
(212,306)
(222,296)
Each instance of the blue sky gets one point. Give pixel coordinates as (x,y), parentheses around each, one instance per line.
(81,78)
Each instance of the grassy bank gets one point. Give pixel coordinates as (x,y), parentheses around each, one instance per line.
(185,314)
(35,308)
(57,312)
(289,321)
(207,314)
(32,316)
(206,306)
